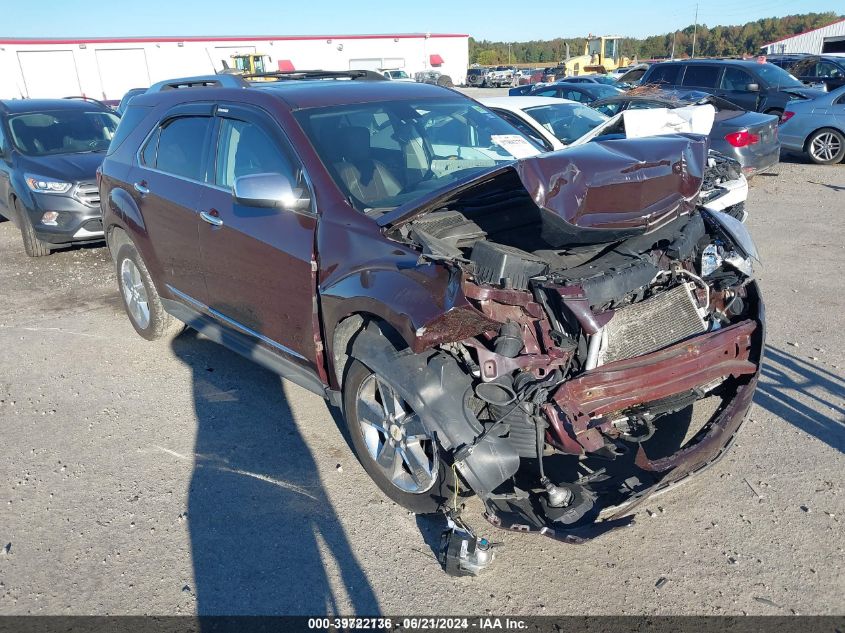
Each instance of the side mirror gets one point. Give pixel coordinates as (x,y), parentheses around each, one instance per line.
(269,191)
(753,87)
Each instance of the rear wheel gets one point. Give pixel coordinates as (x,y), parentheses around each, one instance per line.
(392,444)
(826,146)
(31,244)
(140,297)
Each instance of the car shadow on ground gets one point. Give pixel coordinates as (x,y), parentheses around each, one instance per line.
(264,536)
(790,384)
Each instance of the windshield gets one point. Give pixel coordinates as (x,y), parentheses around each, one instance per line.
(62,131)
(600,91)
(567,121)
(610,81)
(398,74)
(776,76)
(382,155)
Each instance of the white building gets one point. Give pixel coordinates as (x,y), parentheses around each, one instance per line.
(105,68)
(826,39)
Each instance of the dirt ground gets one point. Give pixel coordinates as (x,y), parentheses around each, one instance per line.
(144,478)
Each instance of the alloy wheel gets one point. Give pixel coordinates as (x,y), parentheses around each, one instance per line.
(134,293)
(395,437)
(826,146)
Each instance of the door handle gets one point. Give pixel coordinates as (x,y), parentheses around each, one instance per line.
(211,219)
(141,187)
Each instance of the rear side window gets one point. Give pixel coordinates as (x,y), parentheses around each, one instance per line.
(128,122)
(181,147)
(663,74)
(701,76)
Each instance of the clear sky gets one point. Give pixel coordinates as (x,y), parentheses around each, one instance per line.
(494,19)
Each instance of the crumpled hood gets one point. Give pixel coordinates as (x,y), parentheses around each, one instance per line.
(624,186)
(64,167)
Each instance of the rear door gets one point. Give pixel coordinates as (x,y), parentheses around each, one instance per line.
(168,186)
(5,169)
(259,263)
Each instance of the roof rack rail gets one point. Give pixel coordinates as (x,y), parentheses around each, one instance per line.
(365,75)
(224,80)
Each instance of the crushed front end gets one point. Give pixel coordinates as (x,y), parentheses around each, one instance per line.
(616,308)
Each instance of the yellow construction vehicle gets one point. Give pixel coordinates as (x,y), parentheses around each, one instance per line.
(248,64)
(604,55)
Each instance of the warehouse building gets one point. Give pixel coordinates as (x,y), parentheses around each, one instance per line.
(826,39)
(106,68)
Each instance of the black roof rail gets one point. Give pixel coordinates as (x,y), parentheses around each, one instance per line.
(366,75)
(224,80)
(90,99)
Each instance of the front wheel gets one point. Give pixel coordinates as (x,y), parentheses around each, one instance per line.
(31,244)
(140,297)
(826,147)
(392,443)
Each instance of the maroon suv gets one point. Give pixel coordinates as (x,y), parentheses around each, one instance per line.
(533,329)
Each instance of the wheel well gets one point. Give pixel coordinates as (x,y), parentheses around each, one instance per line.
(345,333)
(116,237)
(821,129)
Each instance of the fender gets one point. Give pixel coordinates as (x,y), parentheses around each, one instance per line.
(425,304)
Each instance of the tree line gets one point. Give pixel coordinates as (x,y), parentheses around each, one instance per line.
(718,41)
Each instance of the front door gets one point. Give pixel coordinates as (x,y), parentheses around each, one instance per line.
(168,186)
(734,88)
(258,261)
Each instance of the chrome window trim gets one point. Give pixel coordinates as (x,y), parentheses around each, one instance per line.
(244,329)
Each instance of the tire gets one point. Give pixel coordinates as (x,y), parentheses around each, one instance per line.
(435,489)
(826,146)
(140,297)
(31,244)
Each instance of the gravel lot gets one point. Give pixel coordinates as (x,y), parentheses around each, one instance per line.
(144,478)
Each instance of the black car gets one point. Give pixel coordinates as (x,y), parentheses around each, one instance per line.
(582,93)
(49,153)
(751,85)
(813,69)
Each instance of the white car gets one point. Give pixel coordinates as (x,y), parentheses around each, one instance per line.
(555,124)
(397,75)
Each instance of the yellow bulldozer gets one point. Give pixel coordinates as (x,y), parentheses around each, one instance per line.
(603,53)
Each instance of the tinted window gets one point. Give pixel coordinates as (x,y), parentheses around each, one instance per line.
(701,76)
(736,79)
(128,122)
(245,149)
(826,70)
(548,92)
(181,147)
(663,74)
(148,156)
(574,95)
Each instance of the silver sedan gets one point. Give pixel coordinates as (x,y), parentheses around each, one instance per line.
(816,127)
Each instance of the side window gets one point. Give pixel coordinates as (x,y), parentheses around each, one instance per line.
(548,92)
(244,149)
(3,145)
(523,127)
(181,147)
(736,79)
(826,70)
(148,156)
(701,76)
(664,74)
(610,108)
(573,95)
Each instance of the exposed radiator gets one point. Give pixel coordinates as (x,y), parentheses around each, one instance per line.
(653,324)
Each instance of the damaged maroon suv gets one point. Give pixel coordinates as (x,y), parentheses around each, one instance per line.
(534,329)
